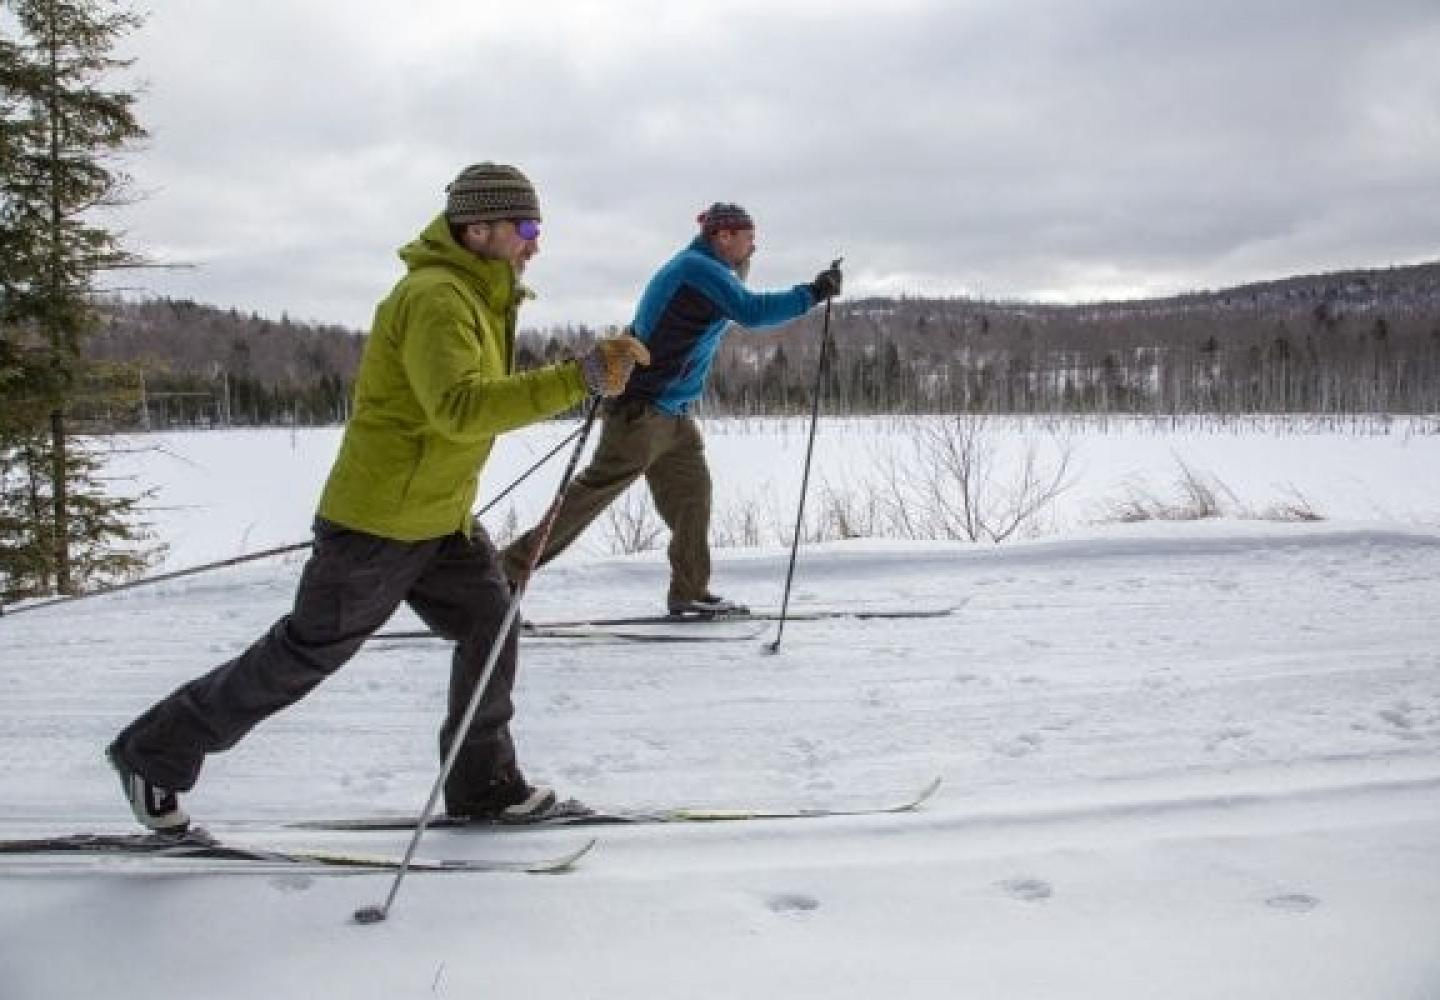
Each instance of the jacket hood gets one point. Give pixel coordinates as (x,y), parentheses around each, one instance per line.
(494,280)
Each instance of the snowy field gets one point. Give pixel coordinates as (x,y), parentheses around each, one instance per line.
(1181,759)
(222,494)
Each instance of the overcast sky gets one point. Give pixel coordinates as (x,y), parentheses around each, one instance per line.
(1000,148)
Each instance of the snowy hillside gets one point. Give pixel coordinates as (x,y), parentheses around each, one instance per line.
(1180,760)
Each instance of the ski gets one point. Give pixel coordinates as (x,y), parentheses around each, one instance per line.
(657,631)
(573,814)
(197,845)
(756,615)
(641,628)
(862,614)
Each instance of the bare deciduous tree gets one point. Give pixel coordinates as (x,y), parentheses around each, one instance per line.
(634,525)
(956,486)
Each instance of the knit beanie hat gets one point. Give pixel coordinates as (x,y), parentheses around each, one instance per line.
(487,192)
(724,215)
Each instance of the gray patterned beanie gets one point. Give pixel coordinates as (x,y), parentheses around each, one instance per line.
(724,215)
(487,192)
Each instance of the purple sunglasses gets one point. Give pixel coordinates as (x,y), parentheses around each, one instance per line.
(527,229)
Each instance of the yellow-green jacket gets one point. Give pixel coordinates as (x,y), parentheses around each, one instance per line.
(436,385)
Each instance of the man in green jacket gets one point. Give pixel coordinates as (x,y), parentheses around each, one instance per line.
(435,387)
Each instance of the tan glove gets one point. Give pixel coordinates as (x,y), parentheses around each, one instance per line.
(607,365)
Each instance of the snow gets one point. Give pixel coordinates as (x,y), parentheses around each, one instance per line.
(1180,759)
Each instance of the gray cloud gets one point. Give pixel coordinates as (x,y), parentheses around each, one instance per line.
(1052,149)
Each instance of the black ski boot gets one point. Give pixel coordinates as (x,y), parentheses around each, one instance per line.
(709,606)
(155,807)
(514,800)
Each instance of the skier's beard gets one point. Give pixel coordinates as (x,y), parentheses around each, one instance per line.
(742,269)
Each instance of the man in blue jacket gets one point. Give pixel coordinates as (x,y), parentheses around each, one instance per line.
(684,313)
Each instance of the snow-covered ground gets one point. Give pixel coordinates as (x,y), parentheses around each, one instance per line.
(223,494)
(1181,759)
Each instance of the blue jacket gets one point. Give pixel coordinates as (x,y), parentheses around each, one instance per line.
(682,317)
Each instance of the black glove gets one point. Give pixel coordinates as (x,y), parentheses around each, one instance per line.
(827,283)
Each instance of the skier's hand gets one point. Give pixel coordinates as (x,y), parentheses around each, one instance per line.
(607,365)
(827,283)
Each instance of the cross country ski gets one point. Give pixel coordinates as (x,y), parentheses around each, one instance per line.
(199,846)
(577,815)
(661,630)
(761,615)
(688,627)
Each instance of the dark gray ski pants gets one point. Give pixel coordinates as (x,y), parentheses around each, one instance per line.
(350,586)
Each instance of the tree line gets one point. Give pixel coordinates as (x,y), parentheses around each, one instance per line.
(200,366)
(1345,343)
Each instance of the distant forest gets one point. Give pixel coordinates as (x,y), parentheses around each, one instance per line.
(1343,343)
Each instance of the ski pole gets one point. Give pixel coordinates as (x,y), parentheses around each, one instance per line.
(375,914)
(175,575)
(250,556)
(774,647)
(526,474)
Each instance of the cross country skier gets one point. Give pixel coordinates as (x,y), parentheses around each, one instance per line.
(682,316)
(436,386)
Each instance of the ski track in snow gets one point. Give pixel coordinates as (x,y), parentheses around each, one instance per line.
(1112,716)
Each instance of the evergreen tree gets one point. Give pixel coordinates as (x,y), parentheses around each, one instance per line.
(25,546)
(59,128)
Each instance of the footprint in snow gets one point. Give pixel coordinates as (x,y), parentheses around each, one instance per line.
(790,904)
(1227,735)
(1400,721)
(1022,745)
(1399,716)
(1029,890)
(292,882)
(1293,902)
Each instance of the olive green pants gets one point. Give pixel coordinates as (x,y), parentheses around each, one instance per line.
(637,439)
